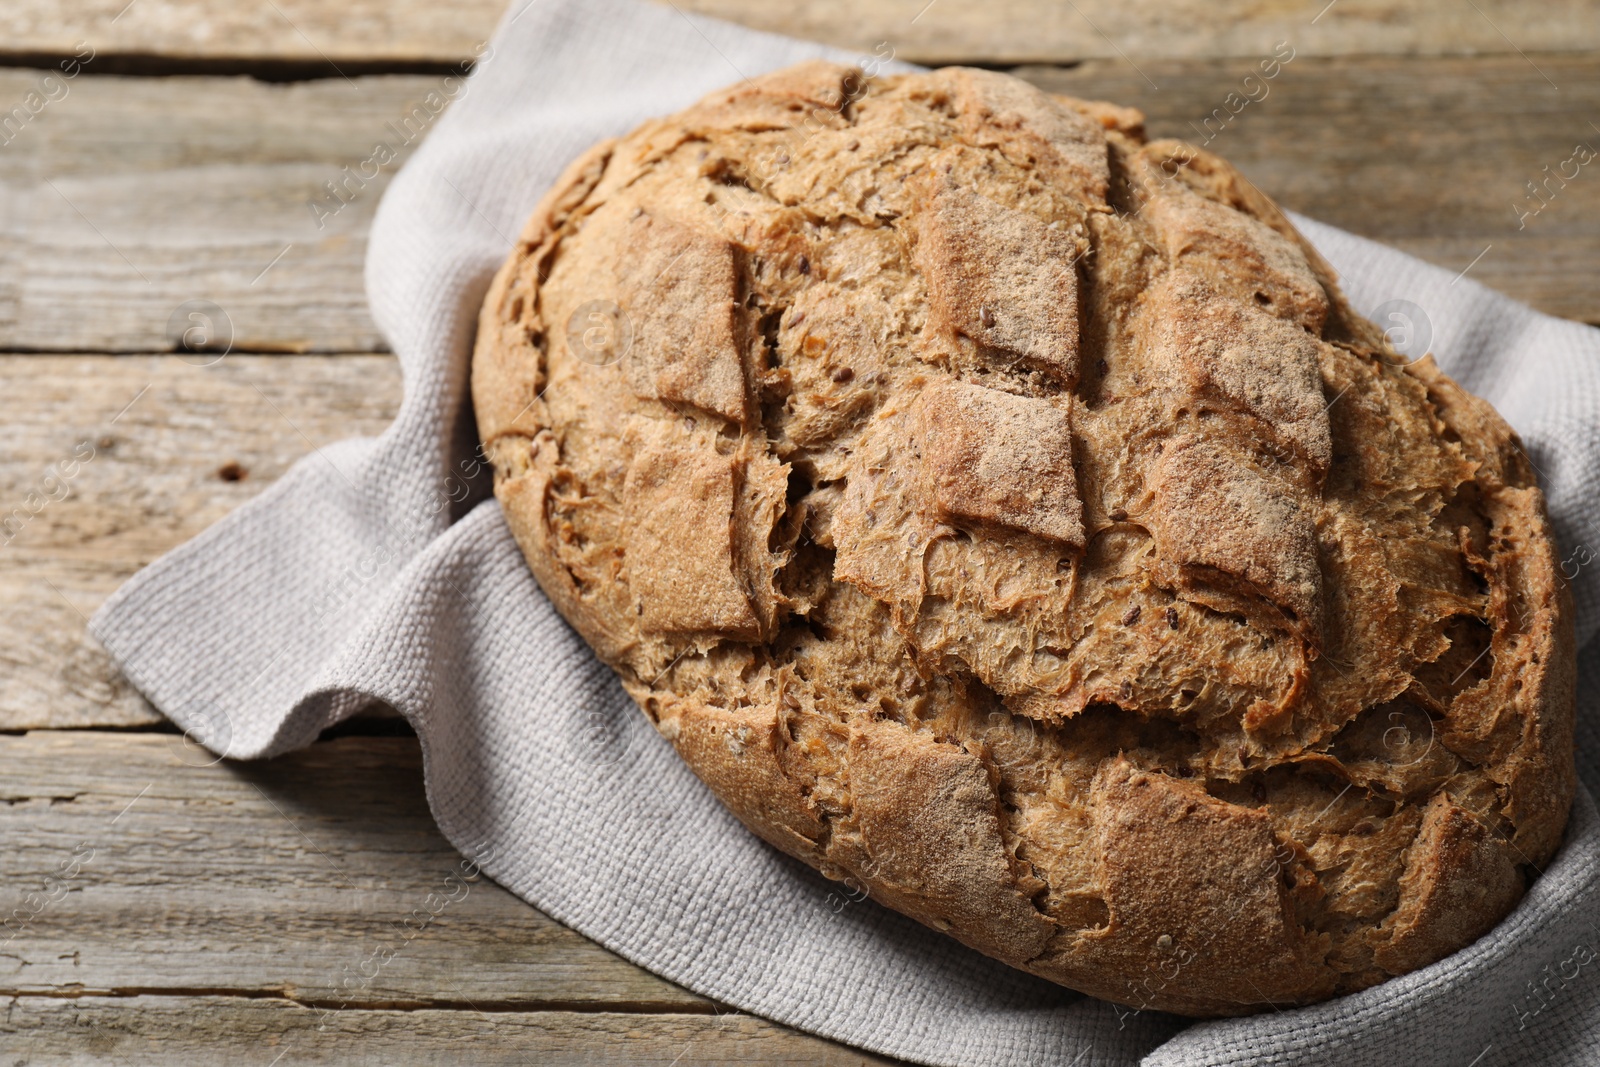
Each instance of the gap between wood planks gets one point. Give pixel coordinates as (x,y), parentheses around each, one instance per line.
(263,68)
(399,32)
(287,997)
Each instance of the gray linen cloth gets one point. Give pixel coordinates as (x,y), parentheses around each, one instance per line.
(380,569)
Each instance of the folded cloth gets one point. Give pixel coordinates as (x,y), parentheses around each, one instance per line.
(380,569)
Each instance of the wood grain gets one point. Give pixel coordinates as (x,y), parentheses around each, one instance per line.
(325,37)
(221,1031)
(133,864)
(357,34)
(127,197)
(131,196)
(1024,31)
(148,442)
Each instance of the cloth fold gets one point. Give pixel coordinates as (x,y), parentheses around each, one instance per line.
(381,569)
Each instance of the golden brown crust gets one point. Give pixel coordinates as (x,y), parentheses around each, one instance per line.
(682,287)
(924,833)
(1459,878)
(1000,277)
(1009,514)
(991,457)
(1203,885)
(736,751)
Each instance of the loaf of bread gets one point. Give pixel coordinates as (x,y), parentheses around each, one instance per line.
(1006,513)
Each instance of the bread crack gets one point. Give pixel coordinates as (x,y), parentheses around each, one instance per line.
(1007,512)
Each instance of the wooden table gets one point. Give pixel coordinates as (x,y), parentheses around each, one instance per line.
(166,908)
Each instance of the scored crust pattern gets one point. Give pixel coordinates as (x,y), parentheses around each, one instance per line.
(1008,513)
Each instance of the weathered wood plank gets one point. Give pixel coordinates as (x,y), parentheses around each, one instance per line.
(133,864)
(162,191)
(1024,31)
(124,198)
(1007,31)
(1431,156)
(355,32)
(158,1030)
(106,462)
